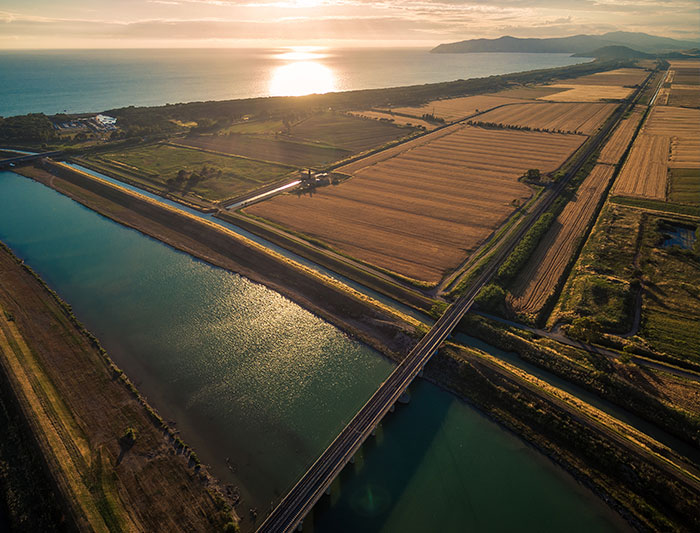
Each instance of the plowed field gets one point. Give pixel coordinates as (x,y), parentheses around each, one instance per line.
(644,172)
(620,139)
(543,271)
(457,108)
(421,208)
(584,118)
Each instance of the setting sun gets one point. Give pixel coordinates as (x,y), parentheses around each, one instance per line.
(301,77)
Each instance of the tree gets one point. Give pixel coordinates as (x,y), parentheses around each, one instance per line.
(533,174)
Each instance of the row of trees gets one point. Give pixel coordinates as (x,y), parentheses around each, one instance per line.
(502,126)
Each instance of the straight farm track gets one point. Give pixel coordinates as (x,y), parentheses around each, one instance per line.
(539,278)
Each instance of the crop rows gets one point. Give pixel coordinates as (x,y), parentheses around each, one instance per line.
(543,271)
(568,117)
(644,172)
(457,108)
(624,77)
(424,207)
(617,144)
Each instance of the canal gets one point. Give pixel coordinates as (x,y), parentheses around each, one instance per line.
(247,375)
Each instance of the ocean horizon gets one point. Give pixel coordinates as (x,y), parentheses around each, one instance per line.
(86,81)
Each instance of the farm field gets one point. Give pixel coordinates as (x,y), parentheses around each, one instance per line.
(587,93)
(421,208)
(540,276)
(682,97)
(211,176)
(533,92)
(616,145)
(644,172)
(584,118)
(346,132)
(687,72)
(285,152)
(457,108)
(395,119)
(622,77)
(600,284)
(684,186)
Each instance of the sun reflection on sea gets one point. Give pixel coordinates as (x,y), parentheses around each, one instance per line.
(301,74)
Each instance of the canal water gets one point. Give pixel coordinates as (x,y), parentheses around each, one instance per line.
(248,375)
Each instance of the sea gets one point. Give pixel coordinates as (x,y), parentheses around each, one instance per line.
(77,81)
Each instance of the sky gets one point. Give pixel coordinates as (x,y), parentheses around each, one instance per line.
(219,23)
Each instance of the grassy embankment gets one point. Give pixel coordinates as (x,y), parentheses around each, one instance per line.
(114,461)
(350,271)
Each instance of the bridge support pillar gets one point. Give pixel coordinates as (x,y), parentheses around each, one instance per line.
(420,374)
(374,431)
(300,527)
(352,460)
(328,490)
(392,408)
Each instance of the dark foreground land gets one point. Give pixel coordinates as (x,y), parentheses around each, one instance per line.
(82,450)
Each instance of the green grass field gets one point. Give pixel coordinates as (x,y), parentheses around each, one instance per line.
(346,132)
(604,283)
(671,302)
(183,170)
(684,186)
(600,284)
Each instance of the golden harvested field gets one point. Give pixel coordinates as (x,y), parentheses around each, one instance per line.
(543,271)
(457,108)
(678,121)
(620,139)
(644,172)
(686,72)
(685,153)
(421,208)
(587,93)
(680,96)
(683,126)
(530,92)
(624,77)
(568,117)
(395,119)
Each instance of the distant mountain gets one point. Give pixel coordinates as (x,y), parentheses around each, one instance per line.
(615,52)
(572,45)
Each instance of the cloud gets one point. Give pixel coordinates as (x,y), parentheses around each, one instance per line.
(130,21)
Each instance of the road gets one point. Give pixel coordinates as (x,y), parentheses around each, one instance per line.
(560,337)
(12,161)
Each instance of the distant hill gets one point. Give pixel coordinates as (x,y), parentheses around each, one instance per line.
(572,45)
(615,52)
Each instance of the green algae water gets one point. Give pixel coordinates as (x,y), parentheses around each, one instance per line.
(259,386)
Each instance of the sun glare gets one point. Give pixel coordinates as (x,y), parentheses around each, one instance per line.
(301,77)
